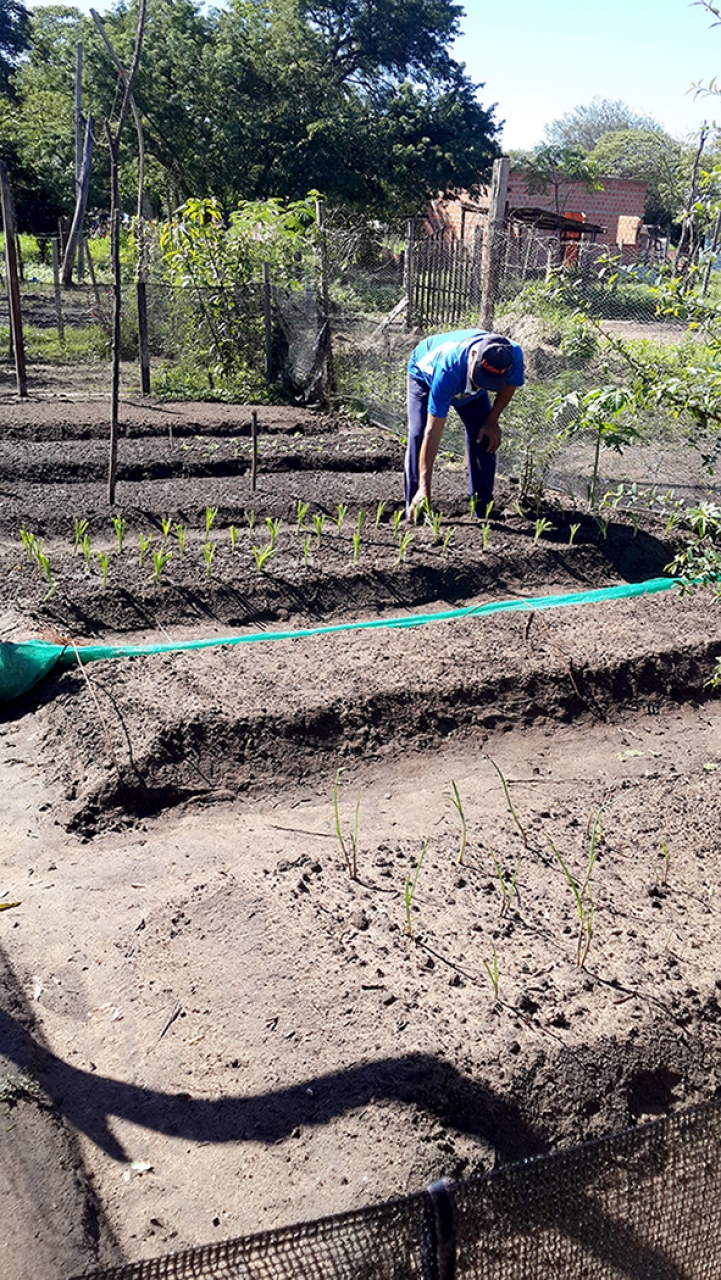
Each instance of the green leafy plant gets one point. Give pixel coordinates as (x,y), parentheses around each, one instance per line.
(472,505)
(44,568)
(86,549)
(349,844)
(120,525)
(161,557)
(209,550)
(356,547)
(600,412)
(318,525)
(28,541)
(602,526)
(485,525)
(584,908)
(574,528)
(306,548)
(250,517)
(542,526)
(181,533)
(435,520)
(397,517)
(361,521)
(145,541)
(447,540)
(103,560)
(234,531)
(509,802)
(81,529)
(455,800)
(302,510)
(274,527)
(166,525)
(379,512)
(341,514)
(665,854)
(410,889)
(404,542)
(492,971)
(262,554)
(210,514)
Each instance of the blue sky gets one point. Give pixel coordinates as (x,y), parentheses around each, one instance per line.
(538,60)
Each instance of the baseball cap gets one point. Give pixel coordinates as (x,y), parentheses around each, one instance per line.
(494,357)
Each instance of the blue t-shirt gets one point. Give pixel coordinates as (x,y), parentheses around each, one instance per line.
(441,362)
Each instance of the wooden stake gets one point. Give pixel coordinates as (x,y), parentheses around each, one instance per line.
(493,241)
(11,268)
(58,295)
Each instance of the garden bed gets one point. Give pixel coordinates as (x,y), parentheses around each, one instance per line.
(228,1030)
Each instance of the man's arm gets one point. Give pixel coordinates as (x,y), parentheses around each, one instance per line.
(429,450)
(490,428)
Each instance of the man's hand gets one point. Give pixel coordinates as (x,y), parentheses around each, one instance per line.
(419,504)
(492,433)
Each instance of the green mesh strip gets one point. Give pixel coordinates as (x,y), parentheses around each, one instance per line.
(23,665)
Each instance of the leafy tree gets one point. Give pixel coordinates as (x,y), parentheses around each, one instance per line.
(586,125)
(14,40)
(651,157)
(555,168)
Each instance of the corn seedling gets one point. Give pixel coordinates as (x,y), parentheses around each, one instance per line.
(306,548)
(602,526)
(250,517)
(28,541)
(634,522)
(509,802)
(318,525)
(492,971)
(360,521)
(166,525)
(574,530)
(473,504)
(404,542)
(349,845)
(584,907)
(455,800)
(210,514)
(81,529)
(410,889)
(160,559)
(103,560)
(507,887)
(274,526)
(261,554)
(233,537)
(181,533)
(44,569)
(447,541)
(397,517)
(356,547)
(379,512)
(145,541)
(301,512)
(85,548)
(120,525)
(486,526)
(435,520)
(542,526)
(209,550)
(342,513)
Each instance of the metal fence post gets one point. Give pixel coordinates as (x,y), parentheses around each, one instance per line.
(439,1232)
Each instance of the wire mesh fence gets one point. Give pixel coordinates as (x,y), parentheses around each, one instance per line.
(643,1204)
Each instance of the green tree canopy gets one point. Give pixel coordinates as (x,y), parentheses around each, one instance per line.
(586,124)
(553,169)
(651,157)
(14,39)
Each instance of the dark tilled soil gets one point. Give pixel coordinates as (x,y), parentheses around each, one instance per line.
(226,1022)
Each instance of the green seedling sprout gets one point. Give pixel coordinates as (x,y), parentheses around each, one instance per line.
(261,554)
(342,513)
(166,525)
(81,528)
(160,559)
(602,526)
(542,526)
(574,530)
(455,800)
(435,520)
(103,560)
(306,548)
(665,854)
(404,542)
(379,512)
(397,517)
(509,802)
(506,888)
(410,889)
(181,533)
(210,514)
(318,525)
(349,847)
(145,541)
(447,541)
(300,514)
(250,517)
(486,526)
(86,550)
(120,525)
(233,537)
(274,526)
(634,522)
(209,550)
(584,907)
(44,568)
(473,504)
(356,547)
(28,541)
(361,521)
(492,971)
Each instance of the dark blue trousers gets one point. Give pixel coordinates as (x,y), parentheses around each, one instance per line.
(481,463)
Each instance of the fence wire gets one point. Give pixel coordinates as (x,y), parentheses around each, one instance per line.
(643,1204)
